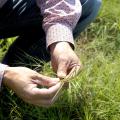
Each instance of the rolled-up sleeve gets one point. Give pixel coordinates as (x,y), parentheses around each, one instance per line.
(60,18)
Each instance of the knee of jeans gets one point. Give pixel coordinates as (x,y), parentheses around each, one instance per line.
(99,2)
(97,6)
(84,22)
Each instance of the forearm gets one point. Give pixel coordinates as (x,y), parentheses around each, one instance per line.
(60,18)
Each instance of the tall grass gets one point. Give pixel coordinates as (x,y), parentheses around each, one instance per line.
(94,94)
(4,44)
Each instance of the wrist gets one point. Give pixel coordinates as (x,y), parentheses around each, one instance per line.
(6,75)
(59,47)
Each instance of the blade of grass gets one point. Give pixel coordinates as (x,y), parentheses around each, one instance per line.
(75,70)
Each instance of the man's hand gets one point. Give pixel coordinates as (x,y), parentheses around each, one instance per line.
(63,59)
(24,82)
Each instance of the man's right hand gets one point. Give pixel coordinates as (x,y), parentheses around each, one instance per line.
(24,81)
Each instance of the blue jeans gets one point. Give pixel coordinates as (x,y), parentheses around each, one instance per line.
(90,10)
(25,21)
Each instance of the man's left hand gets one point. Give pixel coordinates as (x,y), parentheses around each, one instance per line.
(63,59)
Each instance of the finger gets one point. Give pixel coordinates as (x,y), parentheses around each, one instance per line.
(45,93)
(49,101)
(45,81)
(62,69)
(74,71)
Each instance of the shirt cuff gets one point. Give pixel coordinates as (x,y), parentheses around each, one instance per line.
(59,33)
(2,69)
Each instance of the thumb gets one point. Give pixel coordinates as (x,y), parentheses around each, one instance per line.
(62,69)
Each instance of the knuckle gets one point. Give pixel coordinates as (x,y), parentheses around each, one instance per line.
(34,74)
(63,58)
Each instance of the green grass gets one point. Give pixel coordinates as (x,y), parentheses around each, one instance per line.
(4,44)
(95,93)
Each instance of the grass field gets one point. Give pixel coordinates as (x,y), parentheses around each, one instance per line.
(95,93)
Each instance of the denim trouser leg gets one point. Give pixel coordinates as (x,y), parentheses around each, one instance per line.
(90,10)
(19,17)
(25,48)
(28,26)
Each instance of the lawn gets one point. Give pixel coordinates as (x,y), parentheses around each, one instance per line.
(94,94)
